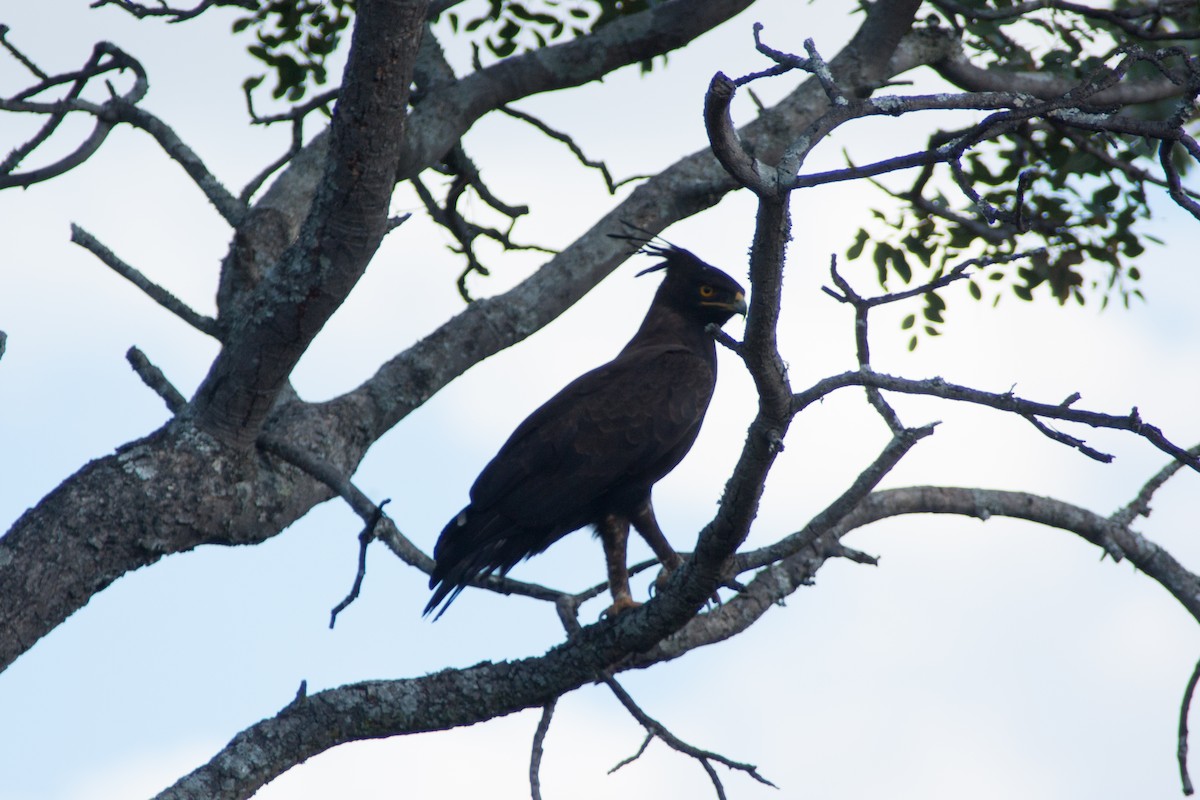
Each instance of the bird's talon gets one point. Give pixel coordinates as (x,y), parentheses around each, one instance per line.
(620,604)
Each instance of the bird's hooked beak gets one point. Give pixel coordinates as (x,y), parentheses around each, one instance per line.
(737,305)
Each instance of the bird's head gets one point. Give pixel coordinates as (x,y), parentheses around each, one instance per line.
(697,290)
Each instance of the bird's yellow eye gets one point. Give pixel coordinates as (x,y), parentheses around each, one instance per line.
(707,291)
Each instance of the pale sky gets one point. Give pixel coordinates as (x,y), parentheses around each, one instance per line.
(989,660)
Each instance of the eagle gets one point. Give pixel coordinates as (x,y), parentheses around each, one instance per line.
(591,454)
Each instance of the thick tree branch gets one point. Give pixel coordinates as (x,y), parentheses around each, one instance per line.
(345,225)
(442,117)
(779,580)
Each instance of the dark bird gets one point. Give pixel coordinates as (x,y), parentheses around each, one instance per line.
(591,454)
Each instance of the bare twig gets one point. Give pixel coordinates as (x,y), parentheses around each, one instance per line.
(158,294)
(862,343)
(723,338)
(18,55)
(364,540)
(465,232)
(175,14)
(958,272)
(1140,505)
(258,180)
(654,728)
(294,114)
(575,149)
(104,58)
(459,163)
(231,209)
(1182,752)
(122,108)
(153,377)
(937,387)
(535,757)
(863,485)
(1069,441)
(1174,185)
(636,755)
(1140,20)
(385,530)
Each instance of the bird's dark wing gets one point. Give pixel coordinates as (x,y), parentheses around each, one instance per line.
(603,440)
(627,422)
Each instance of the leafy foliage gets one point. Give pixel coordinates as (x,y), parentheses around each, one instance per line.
(1075,201)
(1075,207)
(295,38)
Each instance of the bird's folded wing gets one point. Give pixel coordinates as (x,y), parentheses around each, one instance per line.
(630,420)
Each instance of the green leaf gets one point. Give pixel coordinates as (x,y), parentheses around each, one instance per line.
(860,241)
(883,253)
(900,264)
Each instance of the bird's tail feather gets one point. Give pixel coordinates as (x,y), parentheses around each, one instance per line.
(471,547)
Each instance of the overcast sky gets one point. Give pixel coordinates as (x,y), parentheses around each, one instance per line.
(989,660)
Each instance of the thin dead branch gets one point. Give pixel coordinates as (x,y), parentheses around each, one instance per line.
(156,293)
(538,750)
(1140,505)
(656,729)
(575,149)
(1182,751)
(153,377)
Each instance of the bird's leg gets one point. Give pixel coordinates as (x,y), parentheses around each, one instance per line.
(614,535)
(646,524)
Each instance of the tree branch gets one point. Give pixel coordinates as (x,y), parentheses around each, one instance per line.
(156,293)
(345,225)
(1182,751)
(535,757)
(654,728)
(937,387)
(153,377)
(780,579)
(1140,505)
